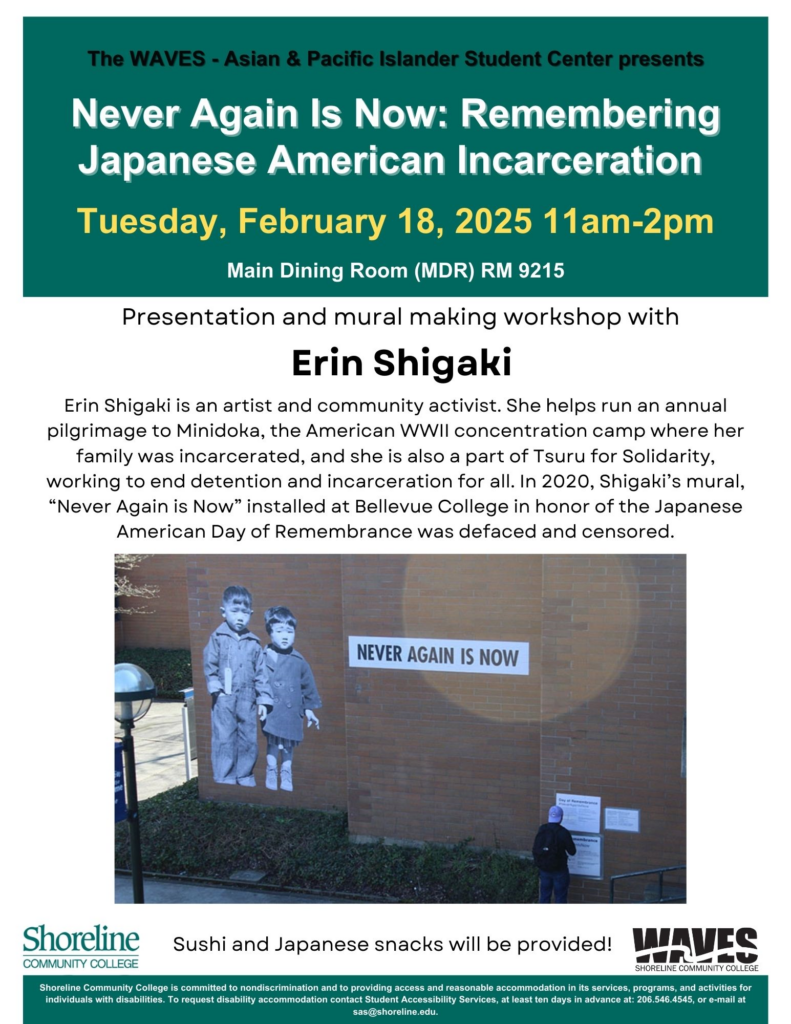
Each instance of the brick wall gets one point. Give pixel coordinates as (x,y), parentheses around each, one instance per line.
(613,702)
(447,756)
(440,755)
(166,622)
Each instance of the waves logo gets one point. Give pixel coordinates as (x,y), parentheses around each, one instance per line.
(696,949)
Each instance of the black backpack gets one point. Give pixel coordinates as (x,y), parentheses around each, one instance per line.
(548,851)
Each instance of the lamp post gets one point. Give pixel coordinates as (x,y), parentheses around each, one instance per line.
(134,691)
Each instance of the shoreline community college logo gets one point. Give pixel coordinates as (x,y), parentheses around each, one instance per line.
(69,948)
(695,949)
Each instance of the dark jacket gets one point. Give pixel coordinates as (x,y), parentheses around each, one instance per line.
(293,690)
(563,843)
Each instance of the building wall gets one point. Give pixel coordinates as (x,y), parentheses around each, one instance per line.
(166,620)
(442,755)
(446,757)
(613,702)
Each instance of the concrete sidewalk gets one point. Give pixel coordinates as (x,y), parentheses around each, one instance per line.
(159,750)
(157,891)
(159,756)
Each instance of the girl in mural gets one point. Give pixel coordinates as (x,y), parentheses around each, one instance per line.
(294,696)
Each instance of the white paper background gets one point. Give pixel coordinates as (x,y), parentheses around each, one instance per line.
(58,847)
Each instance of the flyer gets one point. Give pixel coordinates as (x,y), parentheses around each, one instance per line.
(395,397)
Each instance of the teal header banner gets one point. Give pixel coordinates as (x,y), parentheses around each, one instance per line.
(395,156)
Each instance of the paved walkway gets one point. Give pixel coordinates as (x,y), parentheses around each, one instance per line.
(159,750)
(156,891)
(159,755)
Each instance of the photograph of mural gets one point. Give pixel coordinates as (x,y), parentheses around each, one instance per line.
(250,682)
(465,699)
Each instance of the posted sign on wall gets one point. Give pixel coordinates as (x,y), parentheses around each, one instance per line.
(500,657)
(589,858)
(580,813)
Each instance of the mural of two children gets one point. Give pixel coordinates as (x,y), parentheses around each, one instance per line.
(251,682)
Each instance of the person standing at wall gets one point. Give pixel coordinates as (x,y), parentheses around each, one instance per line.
(552,848)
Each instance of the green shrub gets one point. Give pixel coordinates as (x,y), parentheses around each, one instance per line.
(182,835)
(170,670)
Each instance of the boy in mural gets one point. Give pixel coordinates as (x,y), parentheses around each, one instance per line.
(294,695)
(552,848)
(237,679)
